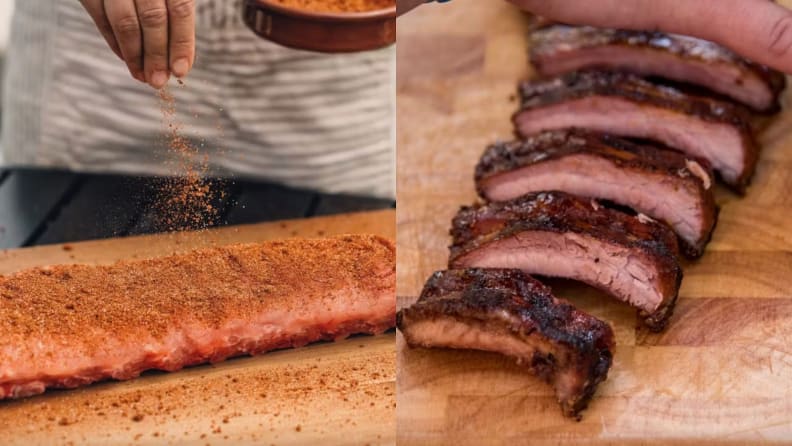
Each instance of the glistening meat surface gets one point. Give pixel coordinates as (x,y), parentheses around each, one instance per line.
(508,312)
(561,49)
(662,184)
(67,326)
(556,234)
(626,105)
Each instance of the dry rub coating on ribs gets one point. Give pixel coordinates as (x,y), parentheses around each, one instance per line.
(68,326)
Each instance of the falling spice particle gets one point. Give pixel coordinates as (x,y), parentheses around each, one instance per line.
(184,201)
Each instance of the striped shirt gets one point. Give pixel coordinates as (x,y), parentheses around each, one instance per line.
(257,109)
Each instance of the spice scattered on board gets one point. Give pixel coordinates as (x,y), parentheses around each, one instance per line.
(338,5)
(250,400)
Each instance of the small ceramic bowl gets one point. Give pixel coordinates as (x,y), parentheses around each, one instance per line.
(321,31)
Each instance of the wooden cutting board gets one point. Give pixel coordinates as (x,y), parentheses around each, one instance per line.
(338,393)
(722,372)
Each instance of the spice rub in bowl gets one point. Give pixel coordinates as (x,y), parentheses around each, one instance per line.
(330,26)
(340,6)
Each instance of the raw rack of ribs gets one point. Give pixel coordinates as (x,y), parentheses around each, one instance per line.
(68,326)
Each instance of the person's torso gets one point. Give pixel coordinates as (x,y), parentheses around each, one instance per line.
(259,109)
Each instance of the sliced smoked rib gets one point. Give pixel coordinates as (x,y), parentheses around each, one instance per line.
(663,184)
(68,326)
(560,49)
(508,312)
(626,105)
(556,234)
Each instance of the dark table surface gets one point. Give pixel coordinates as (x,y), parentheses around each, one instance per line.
(39,207)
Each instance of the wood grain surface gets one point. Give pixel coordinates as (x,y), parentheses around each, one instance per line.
(326,393)
(721,373)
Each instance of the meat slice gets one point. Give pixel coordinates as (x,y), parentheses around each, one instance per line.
(626,105)
(561,49)
(506,311)
(662,184)
(556,234)
(68,326)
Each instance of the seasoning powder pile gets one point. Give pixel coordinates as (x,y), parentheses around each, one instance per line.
(186,200)
(338,5)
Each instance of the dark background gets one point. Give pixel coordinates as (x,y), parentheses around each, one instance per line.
(46,207)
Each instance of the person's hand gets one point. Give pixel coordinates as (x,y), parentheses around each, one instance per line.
(760,30)
(153,37)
